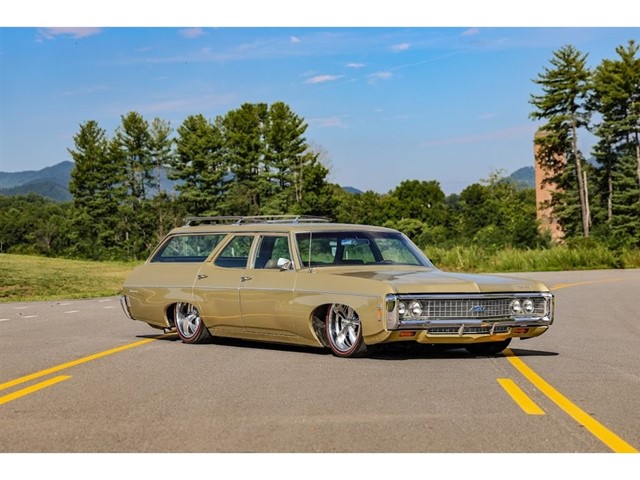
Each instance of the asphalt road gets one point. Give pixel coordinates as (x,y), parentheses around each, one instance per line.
(78,376)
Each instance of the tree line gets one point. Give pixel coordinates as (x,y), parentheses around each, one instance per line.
(256,160)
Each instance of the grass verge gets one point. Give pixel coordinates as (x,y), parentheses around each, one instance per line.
(28,278)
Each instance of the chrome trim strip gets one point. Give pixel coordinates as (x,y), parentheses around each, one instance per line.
(124,303)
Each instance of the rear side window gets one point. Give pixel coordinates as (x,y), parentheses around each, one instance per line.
(187,248)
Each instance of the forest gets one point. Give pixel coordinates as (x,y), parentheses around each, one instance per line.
(256,160)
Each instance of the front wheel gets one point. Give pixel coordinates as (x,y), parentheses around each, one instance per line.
(189,325)
(344,332)
(488,348)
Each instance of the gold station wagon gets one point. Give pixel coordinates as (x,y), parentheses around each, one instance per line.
(307,281)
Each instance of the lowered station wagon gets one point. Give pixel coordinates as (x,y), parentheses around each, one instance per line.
(307,281)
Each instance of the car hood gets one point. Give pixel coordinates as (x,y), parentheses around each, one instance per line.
(437,281)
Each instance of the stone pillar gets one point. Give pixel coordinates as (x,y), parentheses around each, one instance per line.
(543,194)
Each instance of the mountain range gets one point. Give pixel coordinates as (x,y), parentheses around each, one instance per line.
(53,182)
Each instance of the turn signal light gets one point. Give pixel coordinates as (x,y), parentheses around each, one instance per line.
(407,334)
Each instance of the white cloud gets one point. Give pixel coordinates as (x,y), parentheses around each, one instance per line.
(84,91)
(323,78)
(355,65)
(383,75)
(295,40)
(470,32)
(328,122)
(488,116)
(73,32)
(400,47)
(192,32)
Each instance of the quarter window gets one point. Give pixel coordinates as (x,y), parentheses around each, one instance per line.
(187,248)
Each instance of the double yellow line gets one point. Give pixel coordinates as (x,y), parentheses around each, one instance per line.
(47,383)
(606,436)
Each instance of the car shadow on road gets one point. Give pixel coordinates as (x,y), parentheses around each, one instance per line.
(519,352)
(388,352)
(429,351)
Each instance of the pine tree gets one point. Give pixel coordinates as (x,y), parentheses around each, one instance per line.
(616,97)
(161,148)
(95,186)
(565,87)
(200,165)
(249,181)
(133,139)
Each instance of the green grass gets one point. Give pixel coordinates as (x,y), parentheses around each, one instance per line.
(30,278)
(476,259)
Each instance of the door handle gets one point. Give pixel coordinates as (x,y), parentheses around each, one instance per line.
(201,276)
(244,279)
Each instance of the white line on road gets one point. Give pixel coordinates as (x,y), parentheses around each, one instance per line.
(104,300)
(4,319)
(110,306)
(30,316)
(72,311)
(20,308)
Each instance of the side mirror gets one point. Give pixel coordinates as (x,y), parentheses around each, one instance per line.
(285,264)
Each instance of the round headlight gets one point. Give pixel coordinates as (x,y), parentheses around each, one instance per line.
(402,309)
(416,309)
(528,306)
(516,307)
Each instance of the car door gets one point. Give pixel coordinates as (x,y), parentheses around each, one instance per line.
(266,287)
(169,275)
(217,287)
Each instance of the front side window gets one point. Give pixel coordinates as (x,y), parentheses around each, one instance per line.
(187,248)
(236,253)
(273,252)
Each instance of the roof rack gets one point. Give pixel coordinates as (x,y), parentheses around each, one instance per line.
(240,220)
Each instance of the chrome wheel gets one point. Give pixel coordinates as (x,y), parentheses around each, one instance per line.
(344,332)
(189,325)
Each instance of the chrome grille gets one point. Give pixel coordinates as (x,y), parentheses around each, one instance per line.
(455,310)
(482,308)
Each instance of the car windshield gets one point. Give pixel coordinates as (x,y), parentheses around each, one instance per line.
(358,248)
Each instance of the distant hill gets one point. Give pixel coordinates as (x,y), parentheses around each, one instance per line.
(524,176)
(50,182)
(47,189)
(53,182)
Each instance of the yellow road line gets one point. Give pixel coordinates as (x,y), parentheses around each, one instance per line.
(32,388)
(579,284)
(606,436)
(80,361)
(521,398)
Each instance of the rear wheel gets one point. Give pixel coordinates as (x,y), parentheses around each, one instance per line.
(189,325)
(344,332)
(488,348)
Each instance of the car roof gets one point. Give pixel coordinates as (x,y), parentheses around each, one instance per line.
(274,223)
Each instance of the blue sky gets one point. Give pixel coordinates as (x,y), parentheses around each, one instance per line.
(383,104)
